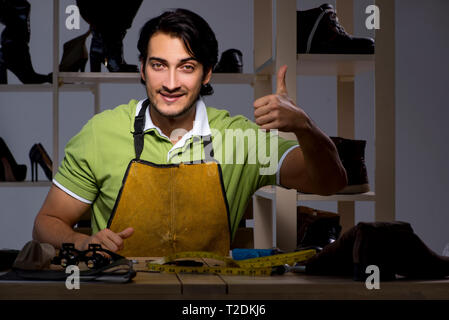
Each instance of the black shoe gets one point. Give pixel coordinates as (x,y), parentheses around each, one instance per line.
(9,169)
(38,155)
(352,156)
(107,48)
(318,31)
(74,57)
(316,228)
(15,15)
(230,62)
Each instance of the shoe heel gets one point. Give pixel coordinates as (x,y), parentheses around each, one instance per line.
(32,171)
(11,170)
(82,66)
(38,155)
(3,74)
(95,64)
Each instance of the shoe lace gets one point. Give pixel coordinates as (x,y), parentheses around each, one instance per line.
(333,19)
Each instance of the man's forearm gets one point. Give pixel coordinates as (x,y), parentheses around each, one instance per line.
(323,166)
(52,230)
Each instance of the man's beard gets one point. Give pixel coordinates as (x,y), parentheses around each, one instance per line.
(184,110)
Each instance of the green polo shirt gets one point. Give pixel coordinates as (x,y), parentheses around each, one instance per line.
(97,157)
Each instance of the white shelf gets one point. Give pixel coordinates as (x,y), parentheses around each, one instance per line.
(67,87)
(99,77)
(334,64)
(133,77)
(368,196)
(326,64)
(269,192)
(26,184)
(233,78)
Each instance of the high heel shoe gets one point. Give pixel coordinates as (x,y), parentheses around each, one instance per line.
(38,155)
(9,169)
(74,56)
(15,52)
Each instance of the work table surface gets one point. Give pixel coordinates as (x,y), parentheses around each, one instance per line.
(150,285)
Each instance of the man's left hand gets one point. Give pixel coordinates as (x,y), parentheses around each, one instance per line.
(279,111)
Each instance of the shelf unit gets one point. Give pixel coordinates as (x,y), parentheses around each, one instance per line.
(275,208)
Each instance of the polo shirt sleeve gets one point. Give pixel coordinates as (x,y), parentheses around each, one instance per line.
(76,173)
(269,172)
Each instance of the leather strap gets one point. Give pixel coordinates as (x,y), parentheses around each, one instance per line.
(139,126)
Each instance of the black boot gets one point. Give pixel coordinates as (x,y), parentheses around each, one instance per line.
(318,31)
(352,156)
(107,48)
(15,52)
(109,21)
(230,62)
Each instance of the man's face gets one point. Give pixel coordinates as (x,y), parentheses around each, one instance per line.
(173,78)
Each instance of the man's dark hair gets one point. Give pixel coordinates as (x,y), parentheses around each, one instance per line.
(194,31)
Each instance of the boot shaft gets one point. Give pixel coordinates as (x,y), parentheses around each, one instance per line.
(15,15)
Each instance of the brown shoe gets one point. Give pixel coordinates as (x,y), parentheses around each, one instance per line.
(352,156)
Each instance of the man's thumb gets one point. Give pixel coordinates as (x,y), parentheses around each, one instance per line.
(126,233)
(281,86)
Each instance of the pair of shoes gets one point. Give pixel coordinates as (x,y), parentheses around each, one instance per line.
(318,31)
(15,52)
(38,155)
(74,56)
(352,156)
(9,169)
(108,23)
(230,62)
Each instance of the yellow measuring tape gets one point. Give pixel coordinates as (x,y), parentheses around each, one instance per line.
(263,266)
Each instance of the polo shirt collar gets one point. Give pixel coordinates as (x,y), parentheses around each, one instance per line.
(200,128)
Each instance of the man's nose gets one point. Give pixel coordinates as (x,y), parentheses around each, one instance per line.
(171,81)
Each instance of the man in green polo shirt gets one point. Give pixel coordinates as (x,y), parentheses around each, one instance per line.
(178,51)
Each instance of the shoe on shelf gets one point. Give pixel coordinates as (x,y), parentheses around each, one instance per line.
(9,169)
(230,62)
(316,228)
(38,155)
(109,22)
(75,55)
(352,156)
(15,52)
(318,31)
(107,48)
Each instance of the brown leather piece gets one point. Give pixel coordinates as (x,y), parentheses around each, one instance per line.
(172,209)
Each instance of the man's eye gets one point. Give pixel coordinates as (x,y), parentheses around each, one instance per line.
(157,65)
(188,67)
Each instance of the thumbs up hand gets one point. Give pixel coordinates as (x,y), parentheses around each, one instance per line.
(278,111)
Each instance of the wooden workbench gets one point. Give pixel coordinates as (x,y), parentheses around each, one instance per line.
(295,286)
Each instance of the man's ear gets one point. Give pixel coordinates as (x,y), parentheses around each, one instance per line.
(207,76)
(142,71)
